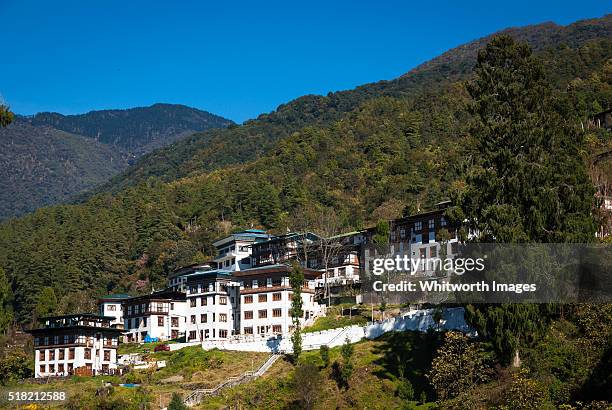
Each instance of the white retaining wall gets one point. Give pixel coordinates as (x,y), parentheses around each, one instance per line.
(417,320)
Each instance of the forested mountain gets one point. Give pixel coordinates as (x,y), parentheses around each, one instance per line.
(48,158)
(367,154)
(135,130)
(42,165)
(214,149)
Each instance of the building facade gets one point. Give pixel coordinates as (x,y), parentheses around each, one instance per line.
(234,251)
(213,310)
(156,316)
(112,306)
(84,344)
(265,300)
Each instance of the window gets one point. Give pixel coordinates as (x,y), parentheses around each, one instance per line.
(192,302)
(42,366)
(442,221)
(277,329)
(248,299)
(51,368)
(61,354)
(277,296)
(262,314)
(262,298)
(60,368)
(277,312)
(223,300)
(87,353)
(107,355)
(422,253)
(171,306)
(262,283)
(112,308)
(193,319)
(402,233)
(223,334)
(192,334)
(222,317)
(52,354)
(175,322)
(144,322)
(70,367)
(137,322)
(277,282)
(203,318)
(71,353)
(248,314)
(41,355)
(248,330)
(433,252)
(160,320)
(105,368)
(418,226)
(203,301)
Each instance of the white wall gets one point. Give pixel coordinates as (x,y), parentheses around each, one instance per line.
(418,320)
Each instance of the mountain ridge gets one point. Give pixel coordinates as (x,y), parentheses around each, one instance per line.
(44,156)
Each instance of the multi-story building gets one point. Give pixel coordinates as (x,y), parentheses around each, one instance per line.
(213,311)
(178,278)
(420,235)
(265,299)
(112,306)
(83,343)
(283,248)
(234,251)
(156,316)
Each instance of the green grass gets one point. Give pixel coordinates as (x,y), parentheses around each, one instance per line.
(127,348)
(373,384)
(338,316)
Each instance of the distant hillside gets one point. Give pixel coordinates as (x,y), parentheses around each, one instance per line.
(50,157)
(135,130)
(42,165)
(218,148)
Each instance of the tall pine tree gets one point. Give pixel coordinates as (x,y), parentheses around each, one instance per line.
(528,181)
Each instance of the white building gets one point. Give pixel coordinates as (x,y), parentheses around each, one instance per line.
(234,251)
(178,278)
(112,306)
(83,344)
(158,316)
(265,300)
(212,305)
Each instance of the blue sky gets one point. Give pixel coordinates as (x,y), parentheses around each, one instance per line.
(236,59)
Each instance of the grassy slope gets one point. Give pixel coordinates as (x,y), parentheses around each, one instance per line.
(373,384)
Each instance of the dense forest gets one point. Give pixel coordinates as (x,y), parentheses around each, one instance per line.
(134,130)
(48,158)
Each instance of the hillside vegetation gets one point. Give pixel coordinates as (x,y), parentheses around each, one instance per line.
(218,148)
(48,158)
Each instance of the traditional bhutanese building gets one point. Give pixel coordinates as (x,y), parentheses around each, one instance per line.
(83,344)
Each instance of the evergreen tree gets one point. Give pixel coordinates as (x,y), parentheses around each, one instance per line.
(6,116)
(296,280)
(528,181)
(176,403)
(6,310)
(47,303)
